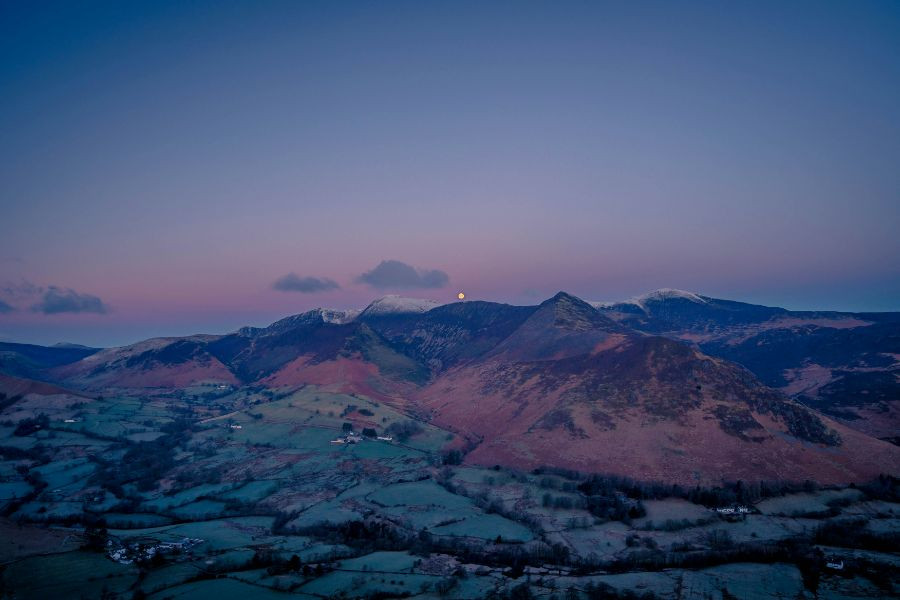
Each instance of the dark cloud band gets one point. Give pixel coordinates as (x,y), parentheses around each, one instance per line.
(57,300)
(393,274)
(305,285)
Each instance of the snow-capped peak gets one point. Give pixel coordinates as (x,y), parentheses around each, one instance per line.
(395,305)
(669,293)
(656,295)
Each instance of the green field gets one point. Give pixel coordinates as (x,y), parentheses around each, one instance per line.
(273,509)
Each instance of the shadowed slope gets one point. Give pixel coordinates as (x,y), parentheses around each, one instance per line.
(572,389)
(844,364)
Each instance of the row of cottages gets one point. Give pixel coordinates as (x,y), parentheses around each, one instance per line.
(734,510)
(346,440)
(128,554)
(351,438)
(354,438)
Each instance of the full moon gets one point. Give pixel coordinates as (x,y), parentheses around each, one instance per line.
(461,296)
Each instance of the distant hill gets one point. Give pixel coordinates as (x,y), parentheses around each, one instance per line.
(28,360)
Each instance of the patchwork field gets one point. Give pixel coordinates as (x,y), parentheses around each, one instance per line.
(259,493)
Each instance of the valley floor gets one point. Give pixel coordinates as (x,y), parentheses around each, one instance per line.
(227,492)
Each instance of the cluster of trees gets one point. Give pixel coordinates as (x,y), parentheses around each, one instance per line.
(883,487)
(853,533)
(36,453)
(677,524)
(373,535)
(275,564)
(37,483)
(7,401)
(403,430)
(32,425)
(548,500)
(591,591)
(95,534)
(143,463)
(727,494)
(453,457)
(554,483)
(615,508)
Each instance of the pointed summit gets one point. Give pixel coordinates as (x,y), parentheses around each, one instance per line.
(571,312)
(562,297)
(563,325)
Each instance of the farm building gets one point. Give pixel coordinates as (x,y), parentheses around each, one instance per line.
(734,510)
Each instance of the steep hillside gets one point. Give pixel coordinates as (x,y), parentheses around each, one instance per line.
(285,352)
(844,364)
(452,333)
(356,359)
(155,363)
(16,386)
(282,354)
(569,388)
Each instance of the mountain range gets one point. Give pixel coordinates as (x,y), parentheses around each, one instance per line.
(673,386)
(846,365)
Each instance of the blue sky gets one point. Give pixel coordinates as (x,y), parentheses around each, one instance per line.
(175,160)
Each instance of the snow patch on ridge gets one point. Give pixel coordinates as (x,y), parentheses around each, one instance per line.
(388,305)
(338,316)
(668,293)
(316,315)
(654,296)
(396,305)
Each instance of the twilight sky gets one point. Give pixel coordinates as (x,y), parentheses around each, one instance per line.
(177,167)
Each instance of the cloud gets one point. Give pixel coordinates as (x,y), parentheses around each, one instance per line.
(57,300)
(398,275)
(15,296)
(23,291)
(305,285)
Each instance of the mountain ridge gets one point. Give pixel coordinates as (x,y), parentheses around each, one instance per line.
(561,383)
